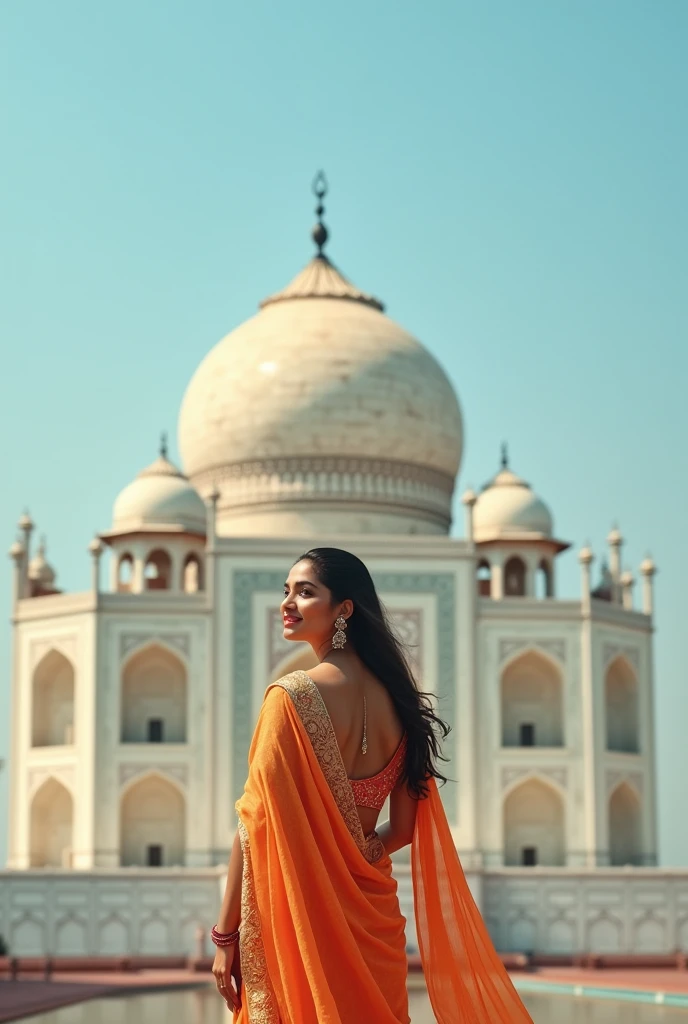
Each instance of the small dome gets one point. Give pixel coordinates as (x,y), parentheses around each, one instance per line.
(40,570)
(160,499)
(507,508)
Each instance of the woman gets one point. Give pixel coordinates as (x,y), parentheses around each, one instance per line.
(310,876)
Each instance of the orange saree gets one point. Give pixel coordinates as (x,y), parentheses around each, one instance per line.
(322,935)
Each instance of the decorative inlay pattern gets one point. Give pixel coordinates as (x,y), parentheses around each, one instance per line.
(407,622)
(246,584)
(130,641)
(615,776)
(556,648)
(66,645)
(381,482)
(178,772)
(558,775)
(512,774)
(64,773)
(612,651)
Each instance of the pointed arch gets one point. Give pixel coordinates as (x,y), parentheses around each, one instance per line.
(52,706)
(515,572)
(192,580)
(621,706)
(625,826)
(483,572)
(154,696)
(533,823)
(125,572)
(51,826)
(544,579)
(152,822)
(532,701)
(157,571)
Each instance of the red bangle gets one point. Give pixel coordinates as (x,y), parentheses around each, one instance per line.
(223,938)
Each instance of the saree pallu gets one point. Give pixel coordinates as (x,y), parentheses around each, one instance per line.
(322,935)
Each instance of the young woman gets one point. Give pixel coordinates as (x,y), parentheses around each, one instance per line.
(310,877)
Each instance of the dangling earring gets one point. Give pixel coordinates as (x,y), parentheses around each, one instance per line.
(339,639)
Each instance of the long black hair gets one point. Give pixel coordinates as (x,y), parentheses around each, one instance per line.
(383,652)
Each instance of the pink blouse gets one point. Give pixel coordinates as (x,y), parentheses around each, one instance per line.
(373,791)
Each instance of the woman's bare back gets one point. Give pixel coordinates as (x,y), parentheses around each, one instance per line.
(343,697)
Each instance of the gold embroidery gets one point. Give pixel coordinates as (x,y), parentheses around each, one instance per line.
(316,720)
(262,1006)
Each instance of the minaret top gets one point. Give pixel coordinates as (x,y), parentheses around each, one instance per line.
(320,233)
(320,279)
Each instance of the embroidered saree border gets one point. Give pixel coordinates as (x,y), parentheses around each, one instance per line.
(316,720)
(262,1005)
(311,708)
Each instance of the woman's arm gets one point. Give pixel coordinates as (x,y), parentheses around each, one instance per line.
(227,963)
(230,911)
(398,831)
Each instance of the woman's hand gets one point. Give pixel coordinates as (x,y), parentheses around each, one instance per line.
(227,967)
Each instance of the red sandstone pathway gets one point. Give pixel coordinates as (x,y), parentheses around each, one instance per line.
(25,997)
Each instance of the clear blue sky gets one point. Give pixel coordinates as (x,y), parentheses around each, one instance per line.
(509,177)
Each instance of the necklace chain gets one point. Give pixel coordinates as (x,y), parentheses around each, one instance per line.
(364,744)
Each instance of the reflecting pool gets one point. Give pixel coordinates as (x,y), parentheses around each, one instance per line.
(204,1006)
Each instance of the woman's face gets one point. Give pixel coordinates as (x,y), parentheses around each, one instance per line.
(307,610)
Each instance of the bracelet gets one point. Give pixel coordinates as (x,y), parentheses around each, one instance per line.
(222,939)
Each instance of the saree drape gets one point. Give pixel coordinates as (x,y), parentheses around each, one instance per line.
(322,934)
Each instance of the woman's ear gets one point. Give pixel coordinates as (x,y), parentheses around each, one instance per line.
(347,609)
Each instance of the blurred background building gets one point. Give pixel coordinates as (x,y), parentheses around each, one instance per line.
(322,421)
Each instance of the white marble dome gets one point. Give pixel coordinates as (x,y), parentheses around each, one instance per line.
(159,499)
(508,508)
(322,414)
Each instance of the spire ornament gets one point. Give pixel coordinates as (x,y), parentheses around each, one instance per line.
(320,233)
(505,455)
(163,444)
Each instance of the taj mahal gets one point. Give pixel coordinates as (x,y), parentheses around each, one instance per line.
(320,420)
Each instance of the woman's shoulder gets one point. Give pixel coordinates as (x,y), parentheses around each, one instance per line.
(296,685)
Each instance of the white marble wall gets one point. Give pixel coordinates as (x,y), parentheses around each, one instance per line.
(157,911)
(605,910)
(134,912)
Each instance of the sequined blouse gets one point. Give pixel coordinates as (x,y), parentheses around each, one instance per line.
(373,791)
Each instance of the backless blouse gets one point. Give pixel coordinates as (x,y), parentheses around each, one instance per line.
(373,791)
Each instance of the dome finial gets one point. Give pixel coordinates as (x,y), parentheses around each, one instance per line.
(163,444)
(319,232)
(505,455)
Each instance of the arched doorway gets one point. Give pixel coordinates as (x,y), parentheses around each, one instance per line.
(52,819)
(621,707)
(152,824)
(53,701)
(532,703)
(154,697)
(515,577)
(534,826)
(625,838)
(544,586)
(157,571)
(192,574)
(125,573)
(484,578)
